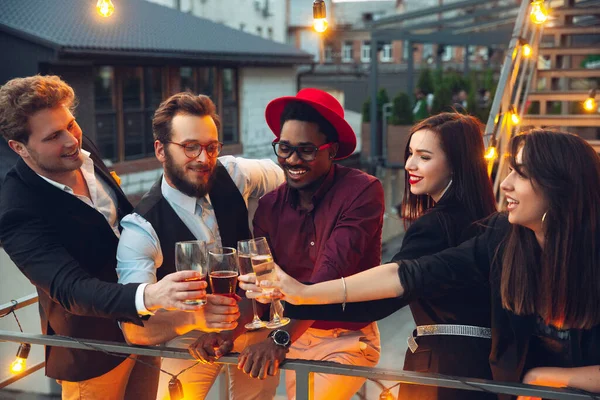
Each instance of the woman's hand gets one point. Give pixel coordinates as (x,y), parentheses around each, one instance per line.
(253,291)
(287,288)
(542,376)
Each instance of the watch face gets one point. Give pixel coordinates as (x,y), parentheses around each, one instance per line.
(282,338)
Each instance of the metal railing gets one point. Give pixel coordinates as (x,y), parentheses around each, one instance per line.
(305,370)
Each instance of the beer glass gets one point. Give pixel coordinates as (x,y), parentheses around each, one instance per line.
(191,256)
(223,271)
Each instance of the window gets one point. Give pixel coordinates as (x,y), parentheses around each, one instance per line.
(448,53)
(386,52)
(347,55)
(125,100)
(472,52)
(427,51)
(328,53)
(229,106)
(365,51)
(106,116)
(405,50)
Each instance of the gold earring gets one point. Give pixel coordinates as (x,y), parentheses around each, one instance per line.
(544,217)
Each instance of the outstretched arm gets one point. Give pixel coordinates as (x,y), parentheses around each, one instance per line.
(584,378)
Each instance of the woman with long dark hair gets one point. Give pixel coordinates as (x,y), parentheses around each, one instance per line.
(542,260)
(447,189)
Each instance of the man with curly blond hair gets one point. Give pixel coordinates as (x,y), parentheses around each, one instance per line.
(59,222)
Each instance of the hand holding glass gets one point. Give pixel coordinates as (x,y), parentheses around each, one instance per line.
(191,256)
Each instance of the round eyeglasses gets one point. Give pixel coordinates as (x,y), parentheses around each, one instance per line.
(194,149)
(305,152)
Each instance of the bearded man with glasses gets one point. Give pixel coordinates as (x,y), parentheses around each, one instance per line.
(199,197)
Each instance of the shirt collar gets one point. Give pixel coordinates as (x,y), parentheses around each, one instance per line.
(292,196)
(87,166)
(184,201)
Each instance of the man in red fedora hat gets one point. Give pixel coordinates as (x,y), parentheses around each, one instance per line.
(323,224)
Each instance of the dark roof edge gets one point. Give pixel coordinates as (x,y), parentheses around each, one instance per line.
(29,37)
(239,58)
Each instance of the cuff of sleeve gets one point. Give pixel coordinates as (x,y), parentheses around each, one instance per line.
(139,301)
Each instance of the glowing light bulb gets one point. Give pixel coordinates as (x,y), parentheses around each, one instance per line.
(105,8)
(515,119)
(18,366)
(589,104)
(320,25)
(491,153)
(20,363)
(319,16)
(527,50)
(539,13)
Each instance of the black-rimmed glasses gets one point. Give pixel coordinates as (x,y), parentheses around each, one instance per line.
(194,149)
(305,152)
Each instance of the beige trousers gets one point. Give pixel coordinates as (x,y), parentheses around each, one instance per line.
(128,380)
(198,380)
(336,345)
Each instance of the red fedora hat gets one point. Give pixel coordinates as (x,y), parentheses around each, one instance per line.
(327,106)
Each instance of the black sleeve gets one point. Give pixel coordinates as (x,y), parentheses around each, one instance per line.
(425,236)
(455,268)
(32,246)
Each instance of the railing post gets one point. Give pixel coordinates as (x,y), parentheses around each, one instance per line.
(304,384)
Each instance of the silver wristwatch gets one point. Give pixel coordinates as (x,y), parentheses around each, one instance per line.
(281,338)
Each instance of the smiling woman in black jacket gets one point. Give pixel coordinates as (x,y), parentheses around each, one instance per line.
(447,189)
(542,263)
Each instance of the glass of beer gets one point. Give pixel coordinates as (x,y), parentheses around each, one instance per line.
(244,258)
(223,271)
(191,256)
(264,268)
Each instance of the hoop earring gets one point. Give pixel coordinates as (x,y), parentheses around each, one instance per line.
(544,217)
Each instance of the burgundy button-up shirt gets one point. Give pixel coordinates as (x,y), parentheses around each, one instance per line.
(339,236)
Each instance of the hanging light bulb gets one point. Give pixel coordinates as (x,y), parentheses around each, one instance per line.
(491,152)
(539,13)
(386,395)
(105,8)
(527,50)
(20,363)
(175,389)
(590,103)
(514,116)
(319,16)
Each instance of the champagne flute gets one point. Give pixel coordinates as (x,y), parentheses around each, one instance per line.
(264,268)
(223,271)
(244,248)
(191,256)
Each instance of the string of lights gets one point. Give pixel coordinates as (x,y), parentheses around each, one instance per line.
(19,365)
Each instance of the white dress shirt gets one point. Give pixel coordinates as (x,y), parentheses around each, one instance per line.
(139,253)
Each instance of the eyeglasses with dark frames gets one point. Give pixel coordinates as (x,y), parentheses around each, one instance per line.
(306,152)
(194,149)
